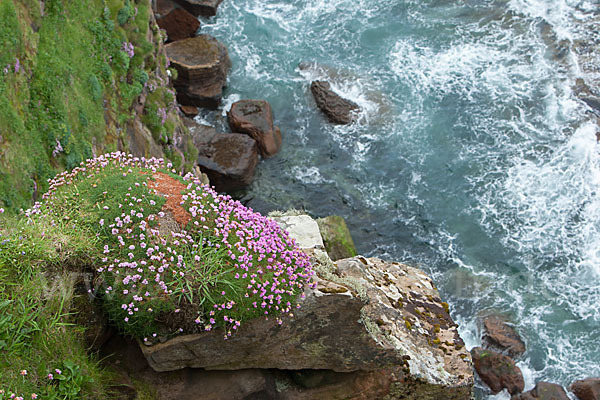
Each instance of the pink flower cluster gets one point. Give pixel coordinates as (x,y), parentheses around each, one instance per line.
(228,264)
(128,48)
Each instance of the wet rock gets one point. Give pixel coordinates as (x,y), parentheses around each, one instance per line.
(202,65)
(206,8)
(179,24)
(229,160)
(543,391)
(593,103)
(189,111)
(255,118)
(337,238)
(337,109)
(586,389)
(498,335)
(497,371)
(364,315)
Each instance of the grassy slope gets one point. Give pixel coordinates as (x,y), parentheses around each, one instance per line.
(74,76)
(63,74)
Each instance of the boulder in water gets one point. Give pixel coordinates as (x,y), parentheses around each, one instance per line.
(255,118)
(586,389)
(498,335)
(229,160)
(544,391)
(202,65)
(337,109)
(497,371)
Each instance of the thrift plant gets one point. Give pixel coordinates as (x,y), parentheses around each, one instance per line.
(176,256)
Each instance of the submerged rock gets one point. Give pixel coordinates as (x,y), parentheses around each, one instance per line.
(497,371)
(179,24)
(337,109)
(543,391)
(255,118)
(202,65)
(206,8)
(498,335)
(383,320)
(337,238)
(586,389)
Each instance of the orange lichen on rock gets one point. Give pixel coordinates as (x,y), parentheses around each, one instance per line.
(172,190)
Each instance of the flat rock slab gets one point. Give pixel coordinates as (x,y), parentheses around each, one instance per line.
(303,229)
(255,118)
(338,110)
(206,8)
(202,65)
(363,315)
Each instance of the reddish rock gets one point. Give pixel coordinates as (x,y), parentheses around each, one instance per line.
(206,8)
(163,7)
(498,335)
(229,160)
(189,111)
(202,65)
(179,24)
(586,389)
(337,109)
(255,118)
(543,391)
(497,371)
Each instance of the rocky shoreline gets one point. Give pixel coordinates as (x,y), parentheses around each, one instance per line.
(400,342)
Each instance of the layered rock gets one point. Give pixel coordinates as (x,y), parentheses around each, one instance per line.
(336,237)
(497,371)
(228,159)
(382,321)
(202,65)
(255,118)
(337,109)
(543,391)
(498,335)
(586,389)
(206,8)
(179,24)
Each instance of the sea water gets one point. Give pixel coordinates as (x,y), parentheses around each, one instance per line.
(472,157)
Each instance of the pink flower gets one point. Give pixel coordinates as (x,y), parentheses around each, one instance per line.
(50,376)
(34,396)
(58,371)
(23,372)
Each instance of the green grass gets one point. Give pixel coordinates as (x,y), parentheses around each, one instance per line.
(36,336)
(74,76)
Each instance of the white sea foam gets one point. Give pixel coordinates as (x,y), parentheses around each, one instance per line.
(515,144)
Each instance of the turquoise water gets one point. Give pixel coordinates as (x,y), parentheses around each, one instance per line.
(472,158)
